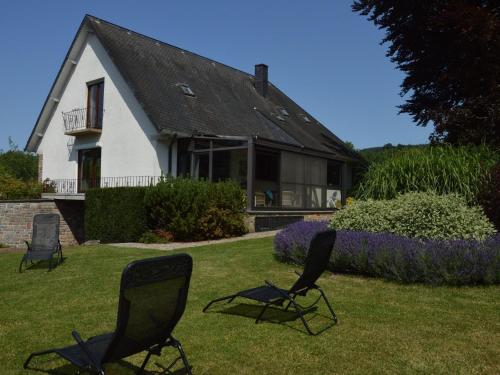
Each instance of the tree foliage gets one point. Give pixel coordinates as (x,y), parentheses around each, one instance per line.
(18,164)
(449,51)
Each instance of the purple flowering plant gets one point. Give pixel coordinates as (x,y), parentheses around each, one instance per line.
(398,258)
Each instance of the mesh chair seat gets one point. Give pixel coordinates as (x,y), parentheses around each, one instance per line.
(96,346)
(264,294)
(39,255)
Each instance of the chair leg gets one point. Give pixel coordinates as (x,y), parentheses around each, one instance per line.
(290,302)
(144,363)
(231,298)
(176,344)
(300,312)
(301,316)
(21,265)
(36,354)
(261,313)
(334,316)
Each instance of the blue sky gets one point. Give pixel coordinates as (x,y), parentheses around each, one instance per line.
(322,55)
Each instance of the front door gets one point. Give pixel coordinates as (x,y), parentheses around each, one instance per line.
(89,169)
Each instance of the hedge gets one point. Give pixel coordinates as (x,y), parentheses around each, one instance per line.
(115,214)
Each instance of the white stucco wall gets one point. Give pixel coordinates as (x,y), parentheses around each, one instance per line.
(128,140)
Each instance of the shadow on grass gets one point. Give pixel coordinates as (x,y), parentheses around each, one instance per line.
(43,265)
(68,368)
(273,315)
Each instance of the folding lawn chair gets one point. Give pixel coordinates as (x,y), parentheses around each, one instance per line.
(153,294)
(44,241)
(316,262)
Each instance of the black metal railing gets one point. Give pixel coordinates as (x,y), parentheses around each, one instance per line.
(75,186)
(77,120)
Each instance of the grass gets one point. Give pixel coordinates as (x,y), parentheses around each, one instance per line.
(383,327)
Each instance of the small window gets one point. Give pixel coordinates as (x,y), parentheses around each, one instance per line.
(186,89)
(281,118)
(306,119)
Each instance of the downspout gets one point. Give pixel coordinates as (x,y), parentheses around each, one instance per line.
(170,145)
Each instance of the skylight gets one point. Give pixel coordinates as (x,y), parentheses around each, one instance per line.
(186,89)
(283,111)
(306,119)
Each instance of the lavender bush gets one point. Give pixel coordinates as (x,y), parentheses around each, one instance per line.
(398,258)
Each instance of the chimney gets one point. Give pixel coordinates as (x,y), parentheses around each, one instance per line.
(261,79)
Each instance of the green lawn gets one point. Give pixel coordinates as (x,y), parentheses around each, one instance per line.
(383,327)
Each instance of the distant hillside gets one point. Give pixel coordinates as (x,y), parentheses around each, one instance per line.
(377,154)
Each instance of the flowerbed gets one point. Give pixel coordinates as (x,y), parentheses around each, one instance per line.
(398,258)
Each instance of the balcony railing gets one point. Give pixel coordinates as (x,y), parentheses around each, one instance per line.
(75,122)
(75,186)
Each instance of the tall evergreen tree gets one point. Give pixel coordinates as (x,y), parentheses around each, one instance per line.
(450,53)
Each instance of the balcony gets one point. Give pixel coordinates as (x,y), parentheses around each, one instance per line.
(75,187)
(76,123)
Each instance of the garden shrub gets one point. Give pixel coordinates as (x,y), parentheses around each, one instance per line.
(490,197)
(13,188)
(423,215)
(18,164)
(398,258)
(221,223)
(443,169)
(183,207)
(115,214)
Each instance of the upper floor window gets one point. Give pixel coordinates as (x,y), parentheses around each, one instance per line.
(95,99)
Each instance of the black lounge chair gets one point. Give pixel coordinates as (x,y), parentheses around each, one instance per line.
(153,294)
(44,241)
(316,262)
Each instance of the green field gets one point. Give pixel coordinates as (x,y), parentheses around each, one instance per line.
(383,327)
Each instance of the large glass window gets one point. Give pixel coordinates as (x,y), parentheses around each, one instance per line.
(267,179)
(303,181)
(230,164)
(334,184)
(183,157)
(212,159)
(202,166)
(292,180)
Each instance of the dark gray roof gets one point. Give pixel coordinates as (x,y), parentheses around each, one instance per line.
(225,103)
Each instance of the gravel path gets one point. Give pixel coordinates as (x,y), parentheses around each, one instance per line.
(180,245)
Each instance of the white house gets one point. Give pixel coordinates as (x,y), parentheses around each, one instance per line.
(125,109)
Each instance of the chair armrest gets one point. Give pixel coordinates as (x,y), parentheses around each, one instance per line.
(85,349)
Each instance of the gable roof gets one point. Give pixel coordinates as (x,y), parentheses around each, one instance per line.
(225,102)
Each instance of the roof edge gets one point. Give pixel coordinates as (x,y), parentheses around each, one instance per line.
(31,148)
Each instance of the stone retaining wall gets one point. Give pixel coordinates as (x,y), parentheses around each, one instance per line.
(250,218)
(16,218)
